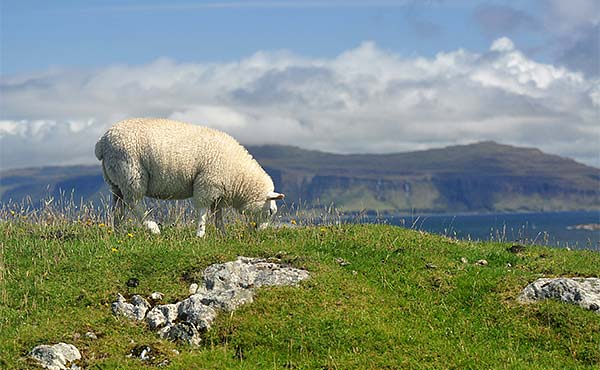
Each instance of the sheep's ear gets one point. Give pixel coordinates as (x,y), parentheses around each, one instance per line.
(275,196)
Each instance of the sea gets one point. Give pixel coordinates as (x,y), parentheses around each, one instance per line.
(556,229)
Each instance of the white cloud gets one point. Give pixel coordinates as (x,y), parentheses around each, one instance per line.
(364,100)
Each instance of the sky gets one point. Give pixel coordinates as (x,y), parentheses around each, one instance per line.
(337,76)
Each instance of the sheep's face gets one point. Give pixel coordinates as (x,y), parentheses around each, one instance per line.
(262,212)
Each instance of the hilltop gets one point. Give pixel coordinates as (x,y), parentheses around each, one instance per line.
(480,177)
(378,297)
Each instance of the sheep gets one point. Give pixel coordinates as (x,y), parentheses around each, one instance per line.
(166,159)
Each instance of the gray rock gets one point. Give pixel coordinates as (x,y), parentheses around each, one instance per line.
(136,310)
(584,292)
(162,315)
(227,300)
(55,357)
(482,263)
(249,273)
(91,335)
(225,287)
(193,311)
(182,332)
(156,296)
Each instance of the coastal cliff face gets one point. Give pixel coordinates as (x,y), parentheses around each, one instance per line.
(481,177)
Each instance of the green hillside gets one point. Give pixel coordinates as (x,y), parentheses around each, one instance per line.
(404,301)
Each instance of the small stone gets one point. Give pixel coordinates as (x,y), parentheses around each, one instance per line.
(143,352)
(482,263)
(508,265)
(55,357)
(342,262)
(91,335)
(431,266)
(464,260)
(354,272)
(517,248)
(156,296)
(193,288)
(133,282)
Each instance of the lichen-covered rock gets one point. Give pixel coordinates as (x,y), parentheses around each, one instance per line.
(162,315)
(181,332)
(247,273)
(193,311)
(584,292)
(55,357)
(136,310)
(225,287)
(227,300)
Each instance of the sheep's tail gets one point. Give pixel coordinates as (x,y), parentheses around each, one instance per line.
(99,149)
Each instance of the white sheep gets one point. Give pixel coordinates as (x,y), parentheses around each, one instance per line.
(166,159)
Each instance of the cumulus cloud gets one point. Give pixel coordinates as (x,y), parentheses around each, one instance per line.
(364,100)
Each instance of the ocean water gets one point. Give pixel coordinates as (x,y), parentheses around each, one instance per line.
(547,228)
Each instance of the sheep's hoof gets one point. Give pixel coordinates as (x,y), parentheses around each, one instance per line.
(153,227)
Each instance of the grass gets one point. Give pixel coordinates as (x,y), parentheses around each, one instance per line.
(385,310)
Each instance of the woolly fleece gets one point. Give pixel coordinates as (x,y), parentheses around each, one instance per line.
(166,159)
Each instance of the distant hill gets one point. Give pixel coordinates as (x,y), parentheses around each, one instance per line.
(482,177)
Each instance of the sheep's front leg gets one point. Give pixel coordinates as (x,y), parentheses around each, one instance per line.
(203,214)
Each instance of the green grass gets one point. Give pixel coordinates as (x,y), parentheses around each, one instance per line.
(385,310)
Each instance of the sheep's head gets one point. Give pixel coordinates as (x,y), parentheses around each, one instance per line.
(261,212)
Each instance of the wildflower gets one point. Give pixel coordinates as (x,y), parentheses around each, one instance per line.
(12,212)
(323,229)
(293,222)
(101,224)
(130,235)
(253,224)
(113,249)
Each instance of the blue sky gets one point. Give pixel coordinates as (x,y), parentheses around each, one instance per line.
(341,76)
(42,34)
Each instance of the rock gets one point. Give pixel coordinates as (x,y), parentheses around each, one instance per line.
(250,272)
(91,335)
(162,315)
(517,248)
(143,352)
(182,332)
(225,287)
(342,262)
(156,296)
(464,260)
(133,282)
(227,300)
(55,357)
(193,311)
(431,266)
(584,292)
(136,310)
(482,263)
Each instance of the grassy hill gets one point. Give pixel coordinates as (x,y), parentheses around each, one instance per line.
(386,309)
(480,177)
